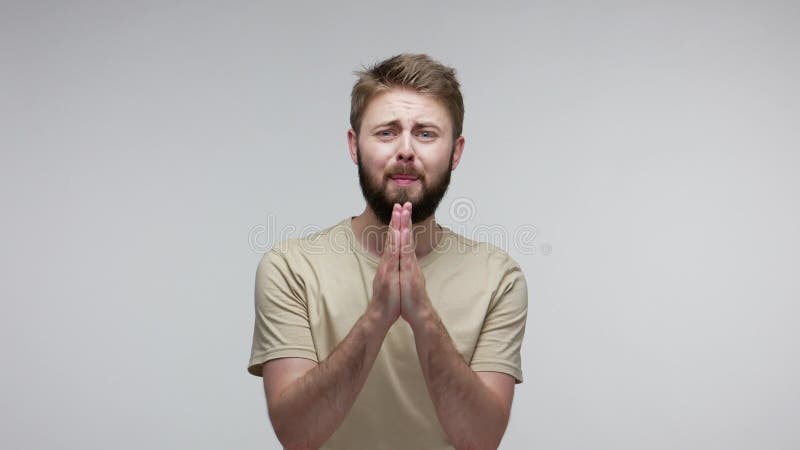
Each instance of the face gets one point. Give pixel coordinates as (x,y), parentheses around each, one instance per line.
(405,152)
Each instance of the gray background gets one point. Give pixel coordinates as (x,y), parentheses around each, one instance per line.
(149,148)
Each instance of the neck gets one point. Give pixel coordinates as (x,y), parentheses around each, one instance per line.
(371,232)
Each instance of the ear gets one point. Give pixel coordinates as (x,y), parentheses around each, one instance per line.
(352,143)
(459,148)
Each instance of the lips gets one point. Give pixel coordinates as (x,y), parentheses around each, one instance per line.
(404,177)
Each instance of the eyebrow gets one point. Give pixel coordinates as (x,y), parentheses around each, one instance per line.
(427,125)
(396,123)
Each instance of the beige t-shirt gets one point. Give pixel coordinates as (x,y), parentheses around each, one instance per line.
(310,291)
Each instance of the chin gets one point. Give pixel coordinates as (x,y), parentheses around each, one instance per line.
(401,199)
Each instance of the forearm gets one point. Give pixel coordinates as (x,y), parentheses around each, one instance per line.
(309,410)
(470,413)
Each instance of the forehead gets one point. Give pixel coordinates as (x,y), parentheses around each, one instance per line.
(405,105)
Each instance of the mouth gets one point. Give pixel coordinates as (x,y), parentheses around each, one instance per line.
(404,180)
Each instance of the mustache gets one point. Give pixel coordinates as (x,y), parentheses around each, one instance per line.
(405,172)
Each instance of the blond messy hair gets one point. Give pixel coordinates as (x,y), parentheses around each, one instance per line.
(407,70)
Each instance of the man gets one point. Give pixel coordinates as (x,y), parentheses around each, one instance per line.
(386,330)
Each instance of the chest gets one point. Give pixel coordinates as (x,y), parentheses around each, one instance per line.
(341,291)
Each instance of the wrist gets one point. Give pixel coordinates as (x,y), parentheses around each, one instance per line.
(377,319)
(423,319)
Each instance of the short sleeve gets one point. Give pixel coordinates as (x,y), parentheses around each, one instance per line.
(281,327)
(499,344)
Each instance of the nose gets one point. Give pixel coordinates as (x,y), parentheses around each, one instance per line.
(406,151)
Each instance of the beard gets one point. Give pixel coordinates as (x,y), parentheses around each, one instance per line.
(382,203)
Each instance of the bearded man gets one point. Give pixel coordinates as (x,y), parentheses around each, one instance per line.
(388,330)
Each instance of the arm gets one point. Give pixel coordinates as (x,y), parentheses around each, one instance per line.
(473,407)
(307,402)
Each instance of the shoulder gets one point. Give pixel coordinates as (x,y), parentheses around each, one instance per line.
(319,242)
(295,262)
(490,263)
(330,240)
(487,254)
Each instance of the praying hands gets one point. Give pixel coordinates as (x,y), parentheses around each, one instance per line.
(399,284)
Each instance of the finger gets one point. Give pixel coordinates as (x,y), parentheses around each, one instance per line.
(409,257)
(388,241)
(406,219)
(401,229)
(410,225)
(394,231)
(405,234)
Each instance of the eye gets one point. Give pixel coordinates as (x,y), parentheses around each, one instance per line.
(387,133)
(426,134)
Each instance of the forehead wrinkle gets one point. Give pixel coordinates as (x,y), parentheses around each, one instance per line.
(410,112)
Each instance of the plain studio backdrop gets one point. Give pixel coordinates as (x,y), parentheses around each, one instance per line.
(639,159)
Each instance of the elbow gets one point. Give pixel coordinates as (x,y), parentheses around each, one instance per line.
(300,446)
(487,443)
(293,442)
(476,446)
(287,435)
(483,439)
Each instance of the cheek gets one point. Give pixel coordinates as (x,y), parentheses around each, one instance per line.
(376,162)
(375,170)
